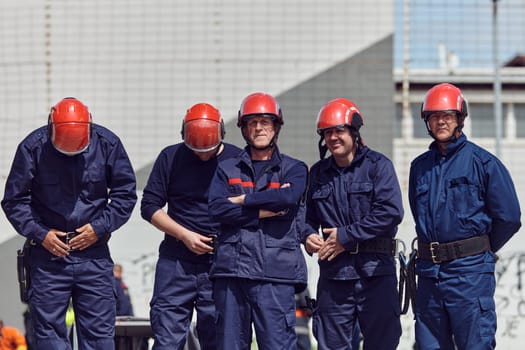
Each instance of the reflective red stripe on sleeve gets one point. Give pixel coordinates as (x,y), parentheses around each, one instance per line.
(274,185)
(238,181)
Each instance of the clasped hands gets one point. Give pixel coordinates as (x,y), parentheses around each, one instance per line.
(326,249)
(54,240)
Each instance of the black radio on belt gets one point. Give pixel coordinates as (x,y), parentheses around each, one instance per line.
(24,281)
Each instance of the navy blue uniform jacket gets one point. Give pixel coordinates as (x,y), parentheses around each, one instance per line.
(363,201)
(49,190)
(259,249)
(466,193)
(180,179)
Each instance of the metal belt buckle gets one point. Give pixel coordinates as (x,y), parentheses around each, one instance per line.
(355,250)
(70,235)
(433,252)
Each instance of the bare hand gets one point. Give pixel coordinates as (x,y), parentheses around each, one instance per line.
(264,214)
(85,238)
(197,243)
(53,243)
(313,243)
(331,247)
(237,199)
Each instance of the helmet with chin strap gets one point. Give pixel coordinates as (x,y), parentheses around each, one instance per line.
(260,104)
(339,112)
(444,97)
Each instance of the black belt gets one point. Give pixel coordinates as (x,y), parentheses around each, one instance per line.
(439,252)
(376,245)
(68,237)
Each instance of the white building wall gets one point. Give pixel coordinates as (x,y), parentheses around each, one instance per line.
(140,64)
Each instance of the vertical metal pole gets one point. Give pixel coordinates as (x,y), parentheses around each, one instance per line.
(497,79)
(406,119)
(48,50)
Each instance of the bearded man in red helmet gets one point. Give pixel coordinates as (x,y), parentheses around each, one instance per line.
(355,199)
(181,178)
(256,198)
(465,209)
(70,186)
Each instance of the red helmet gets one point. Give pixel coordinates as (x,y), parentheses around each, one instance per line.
(202,128)
(69,126)
(339,112)
(260,104)
(444,97)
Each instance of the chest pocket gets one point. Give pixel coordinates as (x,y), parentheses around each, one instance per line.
(322,193)
(48,187)
(463,197)
(95,182)
(359,197)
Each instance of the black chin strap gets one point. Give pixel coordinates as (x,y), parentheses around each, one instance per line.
(272,143)
(323,148)
(456,131)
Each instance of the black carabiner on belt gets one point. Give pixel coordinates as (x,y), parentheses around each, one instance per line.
(407,280)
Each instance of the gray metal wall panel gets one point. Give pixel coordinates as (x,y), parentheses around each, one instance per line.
(365,78)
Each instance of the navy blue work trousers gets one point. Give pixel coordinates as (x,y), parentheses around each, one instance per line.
(269,307)
(456,313)
(180,287)
(371,302)
(89,284)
